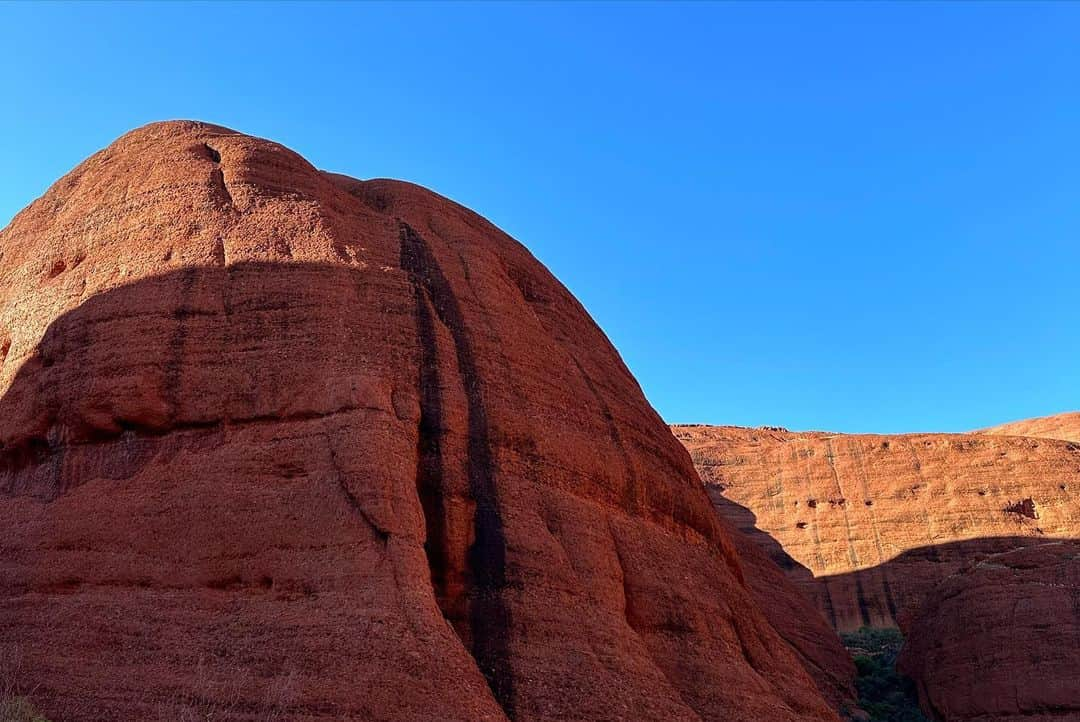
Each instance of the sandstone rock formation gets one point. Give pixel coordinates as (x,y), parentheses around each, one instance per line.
(1058,426)
(859,521)
(966,541)
(1000,639)
(794,616)
(274,441)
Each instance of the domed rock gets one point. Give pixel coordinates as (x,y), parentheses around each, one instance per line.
(280,442)
(1059,426)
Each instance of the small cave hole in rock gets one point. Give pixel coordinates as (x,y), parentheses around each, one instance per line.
(57,268)
(812,503)
(868,502)
(801,524)
(213,154)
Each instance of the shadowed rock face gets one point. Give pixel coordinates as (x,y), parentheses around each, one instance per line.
(1058,426)
(999,639)
(842,506)
(793,614)
(278,441)
(950,536)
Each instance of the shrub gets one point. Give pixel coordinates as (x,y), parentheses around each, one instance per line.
(885,694)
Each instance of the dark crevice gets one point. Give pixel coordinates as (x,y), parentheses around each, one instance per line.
(217,177)
(890,601)
(218,253)
(485,577)
(827,603)
(213,154)
(381,534)
(177,342)
(860,598)
(430,486)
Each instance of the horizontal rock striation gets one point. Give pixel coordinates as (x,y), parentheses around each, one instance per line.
(968,542)
(999,639)
(280,442)
(836,508)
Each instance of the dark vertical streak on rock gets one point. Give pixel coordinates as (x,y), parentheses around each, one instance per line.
(827,602)
(628,609)
(175,360)
(860,598)
(217,177)
(429,476)
(489,616)
(890,601)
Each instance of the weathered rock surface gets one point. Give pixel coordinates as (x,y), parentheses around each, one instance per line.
(794,616)
(967,541)
(860,521)
(278,441)
(1000,640)
(1059,426)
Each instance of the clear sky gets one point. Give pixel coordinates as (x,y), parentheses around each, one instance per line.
(858,217)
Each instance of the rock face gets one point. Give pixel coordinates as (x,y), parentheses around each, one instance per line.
(861,522)
(999,640)
(1058,426)
(794,616)
(279,442)
(966,541)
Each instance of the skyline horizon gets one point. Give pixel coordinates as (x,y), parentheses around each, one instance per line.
(768,232)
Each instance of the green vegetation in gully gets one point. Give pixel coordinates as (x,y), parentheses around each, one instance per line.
(885,694)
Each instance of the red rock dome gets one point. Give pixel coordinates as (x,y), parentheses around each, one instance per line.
(276,441)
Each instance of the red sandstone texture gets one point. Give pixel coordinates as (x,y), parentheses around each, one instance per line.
(276,441)
(1000,640)
(1058,426)
(967,541)
(794,616)
(870,522)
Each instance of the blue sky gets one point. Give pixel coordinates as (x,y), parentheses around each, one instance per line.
(859,217)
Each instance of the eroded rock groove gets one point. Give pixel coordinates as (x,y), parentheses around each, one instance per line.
(488,615)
